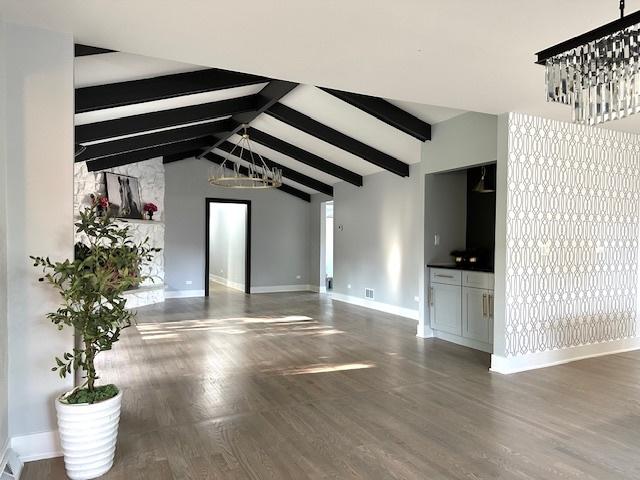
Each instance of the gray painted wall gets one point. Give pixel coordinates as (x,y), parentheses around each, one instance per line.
(461,142)
(379,245)
(39,153)
(445,214)
(227,241)
(279,237)
(4,359)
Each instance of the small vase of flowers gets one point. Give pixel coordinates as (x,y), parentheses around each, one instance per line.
(150,208)
(101,202)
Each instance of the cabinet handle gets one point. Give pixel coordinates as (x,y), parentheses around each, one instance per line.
(430,295)
(491,305)
(484,305)
(439,275)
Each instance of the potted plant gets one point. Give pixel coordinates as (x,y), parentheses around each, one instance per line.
(92,286)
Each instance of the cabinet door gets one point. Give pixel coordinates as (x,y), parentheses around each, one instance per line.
(477,315)
(446,308)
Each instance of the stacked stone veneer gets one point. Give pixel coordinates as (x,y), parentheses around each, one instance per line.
(150,175)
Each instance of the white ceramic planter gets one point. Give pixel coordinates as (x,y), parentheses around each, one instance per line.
(88,434)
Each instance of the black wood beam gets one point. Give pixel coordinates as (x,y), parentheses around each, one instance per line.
(289,173)
(212,157)
(138,142)
(84,50)
(338,139)
(147,153)
(303,156)
(92,132)
(160,88)
(267,97)
(386,112)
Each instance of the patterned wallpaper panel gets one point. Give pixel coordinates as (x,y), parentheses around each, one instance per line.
(572,235)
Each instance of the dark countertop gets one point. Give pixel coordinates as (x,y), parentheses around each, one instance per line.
(453,266)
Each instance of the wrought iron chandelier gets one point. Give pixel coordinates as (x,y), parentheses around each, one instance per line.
(257,174)
(597,73)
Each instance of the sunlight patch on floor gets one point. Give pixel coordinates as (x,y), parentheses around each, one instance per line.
(325,368)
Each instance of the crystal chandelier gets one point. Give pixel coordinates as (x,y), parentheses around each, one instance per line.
(256,175)
(597,73)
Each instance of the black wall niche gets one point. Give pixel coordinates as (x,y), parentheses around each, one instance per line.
(481,214)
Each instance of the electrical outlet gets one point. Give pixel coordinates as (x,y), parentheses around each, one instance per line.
(436,239)
(348,285)
(298,277)
(416,299)
(188,282)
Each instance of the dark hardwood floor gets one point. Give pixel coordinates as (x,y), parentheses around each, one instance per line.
(294,386)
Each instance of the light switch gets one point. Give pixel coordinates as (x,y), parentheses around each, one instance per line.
(436,239)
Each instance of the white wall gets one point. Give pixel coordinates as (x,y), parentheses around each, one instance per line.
(4,359)
(379,245)
(571,234)
(39,162)
(227,243)
(279,235)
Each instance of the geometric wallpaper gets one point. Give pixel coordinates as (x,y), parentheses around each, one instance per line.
(572,235)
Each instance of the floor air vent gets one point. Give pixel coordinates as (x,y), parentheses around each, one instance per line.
(368,293)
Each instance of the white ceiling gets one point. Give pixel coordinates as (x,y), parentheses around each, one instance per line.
(465,54)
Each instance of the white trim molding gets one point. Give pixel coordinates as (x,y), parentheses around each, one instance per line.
(183,293)
(37,446)
(382,307)
(507,365)
(226,282)
(283,288)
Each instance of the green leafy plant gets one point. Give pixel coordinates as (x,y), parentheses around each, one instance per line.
(106,264)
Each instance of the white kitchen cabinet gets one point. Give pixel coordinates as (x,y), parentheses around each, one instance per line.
(446,308)
(477,314)
(461,307)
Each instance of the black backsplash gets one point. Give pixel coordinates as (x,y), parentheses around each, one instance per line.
(481,214)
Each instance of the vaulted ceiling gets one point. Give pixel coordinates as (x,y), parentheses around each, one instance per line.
(130,108)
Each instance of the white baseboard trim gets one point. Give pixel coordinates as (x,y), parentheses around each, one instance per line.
(382,307)
(465,342)
(37,446)
(507,365)
(424,331)
(183,293)
(317,289)
(3,455)
(282,288)
(226,282)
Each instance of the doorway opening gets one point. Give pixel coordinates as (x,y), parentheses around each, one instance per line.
(228,244)
(326,232)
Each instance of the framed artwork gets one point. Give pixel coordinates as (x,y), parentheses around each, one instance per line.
(123,193)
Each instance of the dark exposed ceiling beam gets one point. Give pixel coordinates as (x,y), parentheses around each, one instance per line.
(267,97)
(92,132)
(303,156)
(84,50)
(138,142)
(386,112)
(289,173)
(160,88)
(338,139)
(212,157)
(147,153)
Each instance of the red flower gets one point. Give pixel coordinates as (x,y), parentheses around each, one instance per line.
(150,207)
(103,202)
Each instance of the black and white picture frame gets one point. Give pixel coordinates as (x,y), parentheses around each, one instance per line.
(123,193)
